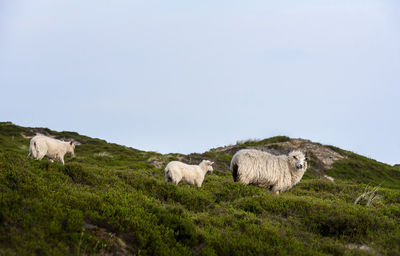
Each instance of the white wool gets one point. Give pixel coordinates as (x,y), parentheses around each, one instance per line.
(43,146)
(176,172)
(277,173)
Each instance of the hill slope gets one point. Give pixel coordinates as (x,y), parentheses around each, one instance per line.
(112,200)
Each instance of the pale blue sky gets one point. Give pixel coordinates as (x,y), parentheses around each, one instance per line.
(186,76)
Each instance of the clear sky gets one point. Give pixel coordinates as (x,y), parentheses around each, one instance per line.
(186,76)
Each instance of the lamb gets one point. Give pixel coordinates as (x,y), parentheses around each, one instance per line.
(276,173)
(43,146)
(176,172)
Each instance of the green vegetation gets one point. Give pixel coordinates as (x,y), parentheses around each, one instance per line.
(112,199)
(360,169)
(248,143)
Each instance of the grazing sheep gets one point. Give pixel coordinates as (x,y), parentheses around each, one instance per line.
(176,172)
(43,146)
(277,173)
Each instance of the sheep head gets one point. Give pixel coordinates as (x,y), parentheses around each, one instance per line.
(297,159)
(206,165)
(71,147)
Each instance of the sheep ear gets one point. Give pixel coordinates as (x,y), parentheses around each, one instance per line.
(211,163)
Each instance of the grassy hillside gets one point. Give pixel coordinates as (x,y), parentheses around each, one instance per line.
(113,200)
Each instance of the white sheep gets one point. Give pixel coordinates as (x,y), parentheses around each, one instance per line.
(277,173)
(176,172)
(43,146)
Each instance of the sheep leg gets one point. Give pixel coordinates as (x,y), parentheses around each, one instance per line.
(277,192)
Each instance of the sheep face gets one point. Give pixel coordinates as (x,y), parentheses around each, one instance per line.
(207,165)
(298,159)
(210,168)
(71,148)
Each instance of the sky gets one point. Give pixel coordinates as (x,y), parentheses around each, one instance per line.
(187,76)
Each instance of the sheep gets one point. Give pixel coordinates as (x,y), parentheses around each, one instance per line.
(43,146)
(176,172)
(276,173)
